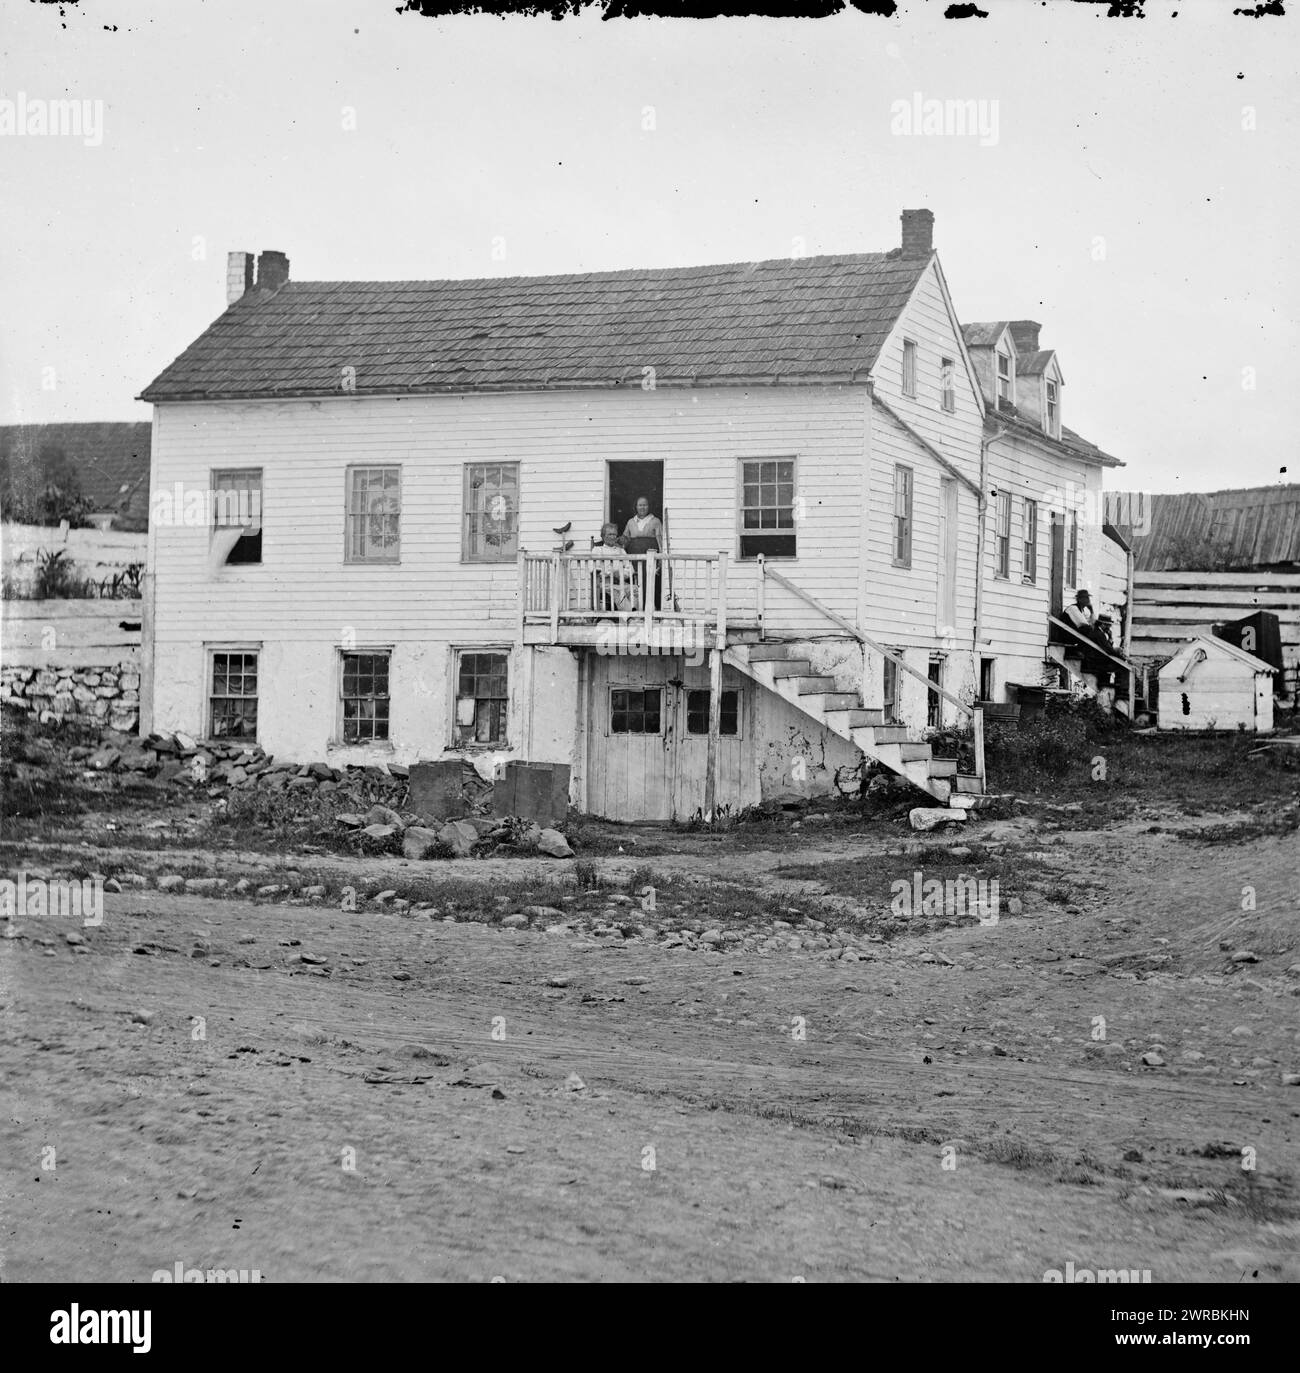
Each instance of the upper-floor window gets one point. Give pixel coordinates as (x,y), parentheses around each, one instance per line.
(947,391)
(1002,534)
(909,367)
(374,513)
(902,516)
(364,697)
(1072,552)
(1053,416)
(1005,392)
(491,516)
(1029,566)
(767,508)
(237,513)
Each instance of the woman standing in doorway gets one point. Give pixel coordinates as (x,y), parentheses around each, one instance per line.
(644,525)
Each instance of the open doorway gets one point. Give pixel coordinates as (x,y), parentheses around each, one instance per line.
(626,481)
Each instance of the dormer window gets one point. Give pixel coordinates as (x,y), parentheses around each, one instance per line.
(1004,378)
(1052,419)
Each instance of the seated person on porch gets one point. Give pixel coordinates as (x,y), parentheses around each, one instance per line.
(612,588)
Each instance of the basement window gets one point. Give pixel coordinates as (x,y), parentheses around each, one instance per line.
(236,516)
(934,708)
(482,699)
(633,711)
(232,699)
(365,700)
(890,692)
(697,712)
(767,508)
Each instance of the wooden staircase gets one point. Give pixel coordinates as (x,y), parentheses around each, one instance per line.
(776,667)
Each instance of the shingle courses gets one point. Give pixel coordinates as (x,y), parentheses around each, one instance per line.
(786,319)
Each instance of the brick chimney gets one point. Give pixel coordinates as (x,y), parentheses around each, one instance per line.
(918,233)
(272,270)
(239,275)
(1025,334)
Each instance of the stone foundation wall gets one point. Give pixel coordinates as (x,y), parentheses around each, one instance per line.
(99,695)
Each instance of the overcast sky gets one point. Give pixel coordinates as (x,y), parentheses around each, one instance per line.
(1123,202)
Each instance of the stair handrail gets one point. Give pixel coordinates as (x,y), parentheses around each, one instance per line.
(852,629)
(1089,643)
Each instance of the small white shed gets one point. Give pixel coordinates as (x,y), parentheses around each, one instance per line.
(1212,684)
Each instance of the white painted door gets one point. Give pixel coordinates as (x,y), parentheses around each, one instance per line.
(692,742)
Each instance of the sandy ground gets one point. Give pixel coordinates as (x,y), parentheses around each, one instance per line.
(404,1108)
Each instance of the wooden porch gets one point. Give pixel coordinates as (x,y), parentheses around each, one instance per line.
(652,602)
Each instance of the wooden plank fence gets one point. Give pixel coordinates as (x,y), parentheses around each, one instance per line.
(1171,607)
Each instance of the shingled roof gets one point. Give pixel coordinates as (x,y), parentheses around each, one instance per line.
(1246,528)
(789,319)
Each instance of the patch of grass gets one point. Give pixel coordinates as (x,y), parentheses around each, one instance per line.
(1242,831)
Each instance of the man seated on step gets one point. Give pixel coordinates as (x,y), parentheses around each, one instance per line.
(1083,618)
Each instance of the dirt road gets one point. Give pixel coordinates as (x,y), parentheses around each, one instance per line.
(403,1105)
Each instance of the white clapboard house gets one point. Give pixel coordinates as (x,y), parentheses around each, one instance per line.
(358,491)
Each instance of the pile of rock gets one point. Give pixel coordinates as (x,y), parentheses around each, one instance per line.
(425,837)
(98,695)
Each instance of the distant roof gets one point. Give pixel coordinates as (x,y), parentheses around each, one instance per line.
(983,335)
(1031,364)
(111,459)
(1251,527)
(1074,445)
(789,319)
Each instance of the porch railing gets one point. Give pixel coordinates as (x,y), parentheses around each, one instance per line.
(643,588)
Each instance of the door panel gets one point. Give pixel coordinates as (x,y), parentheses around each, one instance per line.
(692,749)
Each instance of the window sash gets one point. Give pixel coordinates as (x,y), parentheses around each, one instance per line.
(948,394)
(1072,552)
(889,694)
(1004,377)
(902,516)
(484,677)
(374,512)
(232,695)
(363,690)
(1030,565)
(1002,537)
(909,368)
(484,539)
(767,496)
(636,710)
(697,712)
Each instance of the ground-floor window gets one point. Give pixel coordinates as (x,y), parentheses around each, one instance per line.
(697,712)
(482,698)
(232,696)
(365,699)
(934,710)
(634,710)
(890,693)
